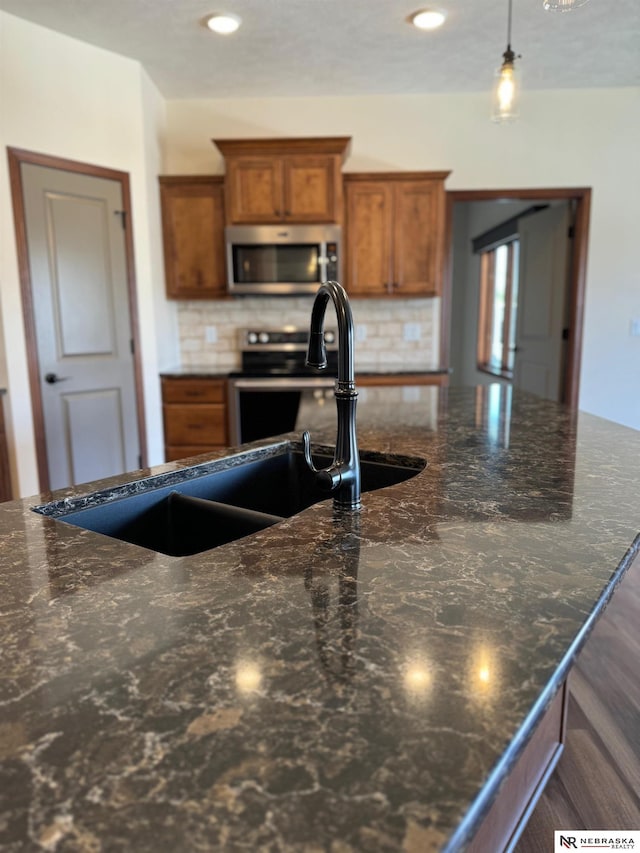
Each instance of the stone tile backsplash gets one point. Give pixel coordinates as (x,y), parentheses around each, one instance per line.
(209,330)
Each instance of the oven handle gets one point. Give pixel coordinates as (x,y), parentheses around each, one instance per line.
(285,383)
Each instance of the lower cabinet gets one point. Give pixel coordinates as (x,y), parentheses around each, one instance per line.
(195,410)
(518,795)
(195,416)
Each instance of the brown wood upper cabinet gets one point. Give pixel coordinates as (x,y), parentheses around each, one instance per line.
(283,180)
(193,236)
(394,233)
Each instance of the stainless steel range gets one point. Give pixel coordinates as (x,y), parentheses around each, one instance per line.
(274,385)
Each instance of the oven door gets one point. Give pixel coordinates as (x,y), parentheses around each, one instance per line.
(260,407)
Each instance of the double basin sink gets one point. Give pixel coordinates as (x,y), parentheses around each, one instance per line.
(208,505)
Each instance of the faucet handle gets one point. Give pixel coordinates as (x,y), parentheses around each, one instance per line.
(306,446)
(327,478)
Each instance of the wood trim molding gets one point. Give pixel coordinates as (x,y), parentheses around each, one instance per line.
(577,296)
(354,177)
(181,180)
(134,317)
(581,196)
(16,157)
(295,145)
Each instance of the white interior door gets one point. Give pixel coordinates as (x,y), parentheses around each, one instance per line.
(542,302)
(76,246)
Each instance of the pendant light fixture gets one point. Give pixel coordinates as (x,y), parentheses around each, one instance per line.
(506,90)
(562,5)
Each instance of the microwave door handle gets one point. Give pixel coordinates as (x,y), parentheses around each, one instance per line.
(323,263)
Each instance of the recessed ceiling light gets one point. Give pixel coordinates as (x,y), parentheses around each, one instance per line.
(224,24)
(428,19)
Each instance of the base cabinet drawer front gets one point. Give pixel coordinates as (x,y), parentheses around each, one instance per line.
(193,391)
(195,424)
(195,416)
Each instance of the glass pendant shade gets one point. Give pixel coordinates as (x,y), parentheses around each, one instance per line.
(506,92)
(562,5)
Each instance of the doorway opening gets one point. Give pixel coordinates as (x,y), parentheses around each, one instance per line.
(75,258)
(522,359)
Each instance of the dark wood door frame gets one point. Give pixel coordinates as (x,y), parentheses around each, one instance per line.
(582,198)
(17,156)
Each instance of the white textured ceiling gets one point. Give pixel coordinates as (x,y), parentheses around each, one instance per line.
(351,47)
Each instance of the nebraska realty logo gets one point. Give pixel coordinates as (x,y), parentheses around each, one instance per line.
(601,839)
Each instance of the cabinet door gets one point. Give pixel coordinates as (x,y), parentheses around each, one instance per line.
(369,233)
(311,185)
(193,238)
(254,190)
(419,218)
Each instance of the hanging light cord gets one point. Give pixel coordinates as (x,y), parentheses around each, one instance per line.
(509,55)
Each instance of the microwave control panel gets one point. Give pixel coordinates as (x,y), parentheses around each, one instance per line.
(332,271)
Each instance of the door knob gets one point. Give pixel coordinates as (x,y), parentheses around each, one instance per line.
(51,378)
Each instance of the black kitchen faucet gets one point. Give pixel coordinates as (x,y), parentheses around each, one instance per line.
(343,475)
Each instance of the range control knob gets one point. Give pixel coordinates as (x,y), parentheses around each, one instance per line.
(252,338)
(329,337)
(263,337)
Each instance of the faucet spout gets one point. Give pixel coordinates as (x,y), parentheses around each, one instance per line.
(343,475)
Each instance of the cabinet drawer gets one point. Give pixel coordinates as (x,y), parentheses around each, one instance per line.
(193,391)
(199,424)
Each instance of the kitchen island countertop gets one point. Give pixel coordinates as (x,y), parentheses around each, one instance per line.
(337,682)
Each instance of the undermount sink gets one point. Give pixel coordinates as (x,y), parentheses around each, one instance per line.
(206,510)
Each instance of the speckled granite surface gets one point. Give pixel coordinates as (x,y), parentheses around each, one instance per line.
(333,683)
(205,372)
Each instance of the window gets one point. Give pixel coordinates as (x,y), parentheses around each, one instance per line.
(498,306)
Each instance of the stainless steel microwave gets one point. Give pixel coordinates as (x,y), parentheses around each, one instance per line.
(281,259)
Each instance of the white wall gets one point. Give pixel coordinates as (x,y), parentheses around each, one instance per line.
(64,98)
(577,138)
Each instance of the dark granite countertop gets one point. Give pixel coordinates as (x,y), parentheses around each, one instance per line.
(333,683)
(204,372)
(195,372)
